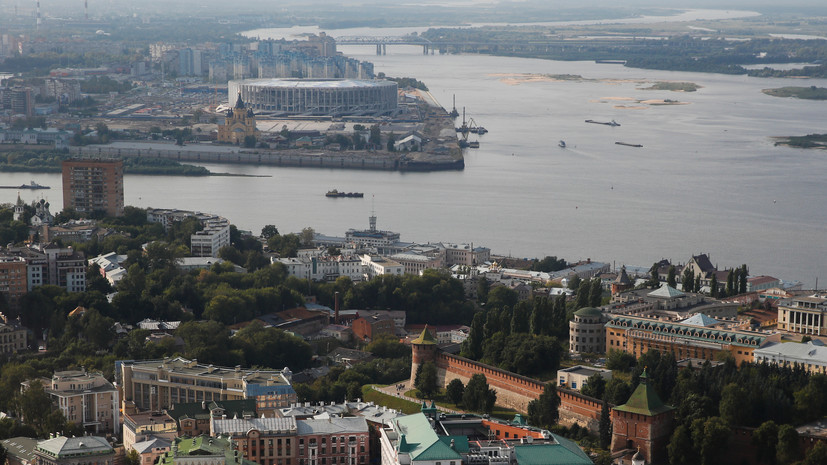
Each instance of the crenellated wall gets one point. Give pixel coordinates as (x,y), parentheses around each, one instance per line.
(516,391)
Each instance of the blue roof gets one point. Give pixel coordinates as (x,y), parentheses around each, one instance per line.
(263,389)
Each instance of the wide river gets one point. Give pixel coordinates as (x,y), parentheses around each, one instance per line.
(707,179)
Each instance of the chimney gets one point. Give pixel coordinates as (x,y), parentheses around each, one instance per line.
(336,307)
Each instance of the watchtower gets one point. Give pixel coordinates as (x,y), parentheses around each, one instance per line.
(423,349)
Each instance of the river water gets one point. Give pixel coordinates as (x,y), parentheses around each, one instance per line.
(707,179)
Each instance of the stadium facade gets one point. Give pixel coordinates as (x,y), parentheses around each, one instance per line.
(317,97)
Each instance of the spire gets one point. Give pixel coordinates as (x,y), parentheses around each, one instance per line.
(239,103)
(403,444)
(425,338)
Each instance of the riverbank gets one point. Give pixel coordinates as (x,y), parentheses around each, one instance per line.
(806,93)
(206,153)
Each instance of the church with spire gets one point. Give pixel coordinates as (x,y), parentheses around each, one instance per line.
(239,124)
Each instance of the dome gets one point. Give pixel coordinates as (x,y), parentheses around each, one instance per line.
(589,312)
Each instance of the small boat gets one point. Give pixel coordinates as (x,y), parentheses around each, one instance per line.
(562,144)
(336,194)
(611,123)
(474,145)
(481,130)
(628,144)
(463,143)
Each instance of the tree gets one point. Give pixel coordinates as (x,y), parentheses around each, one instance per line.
(688,280)
(595,386)
(697,286)
(454,391)
(713,285)
(654,278)
(680,448)
(711,436)
(605,426)
(734,406)
(426,379)
(742,288)
(391,142)
(765,441)
(478,396)
(595,293)
(375,135)
(620,360)
(269,231)
(543,412)
(132,458)
(730,283)
(817,455)
(618,391)
(787,450)
(671,279)
(574,283)
(583,292)
(250,142)
(307,237)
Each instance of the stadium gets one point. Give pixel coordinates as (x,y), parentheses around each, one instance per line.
(316,97)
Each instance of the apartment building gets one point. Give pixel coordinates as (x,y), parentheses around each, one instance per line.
(50,264)
(91,185)
(332,441)
(82,450)
(87,399)
(140,427)
(204,243)
(160,384)
(13,284)
(13,338)
(266,441)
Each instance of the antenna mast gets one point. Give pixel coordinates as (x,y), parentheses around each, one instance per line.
(372,214)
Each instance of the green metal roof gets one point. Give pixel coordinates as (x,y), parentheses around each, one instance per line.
(564,453)
(203,445)
(425,338)
(460,443)
(737,338)
(644,401)
(588,312)
(421,442)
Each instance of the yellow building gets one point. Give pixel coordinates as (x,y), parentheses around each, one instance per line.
(240,123)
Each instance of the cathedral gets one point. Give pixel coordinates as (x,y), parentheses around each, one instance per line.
(240,123)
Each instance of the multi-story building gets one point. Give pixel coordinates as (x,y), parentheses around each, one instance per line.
(805,314)
(160,384)
(81,450)
(465,254)
(372,238)
(586,331)
(87,399)
(368,328)
(266,441)
(333,441)
(13,273)
(323,267)
(205,243)
(810,356)
(203,450)
(576,377)
(13,338)
(49,264)
(699,337)
(140,427)
(91,185)
(378,266)
(195,418)
(416,263)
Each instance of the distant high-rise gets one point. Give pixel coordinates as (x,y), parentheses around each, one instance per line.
(91,185)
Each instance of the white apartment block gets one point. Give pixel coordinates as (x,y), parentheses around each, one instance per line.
(208,241)
(323,268)
(376,266)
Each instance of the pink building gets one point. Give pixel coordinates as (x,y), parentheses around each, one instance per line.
(333,441)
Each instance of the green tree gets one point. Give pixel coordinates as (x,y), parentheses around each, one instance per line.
(734,405)
(132,458)
(375,135)
(269,231)
(582,298)
(688,280)
(574,283)
(713,285)
(681,449)
(742,289)
(426,379)
(605,426)
(543,412)
(697,286)
(250,142)
(619,360)
(454,391)
(711,435)
(654,278)
(765,441)
(730,283)
(817,455)
(595,293)
(671,279)
(595,386)
(787,450)
(478,396)
(308,235)
(618,391)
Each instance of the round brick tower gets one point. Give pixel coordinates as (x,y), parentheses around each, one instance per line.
(423,349)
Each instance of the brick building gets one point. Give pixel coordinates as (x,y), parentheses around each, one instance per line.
(333,441)
(13,280)
(266,441)
(643,423)
(93,185)
(371,327)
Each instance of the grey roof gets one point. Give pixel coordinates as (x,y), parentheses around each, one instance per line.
(699,319)
(316,83)
(148,445)
(62,446)
(242,426)
(808,352)
(20,447)
(667,292)
(332,426)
